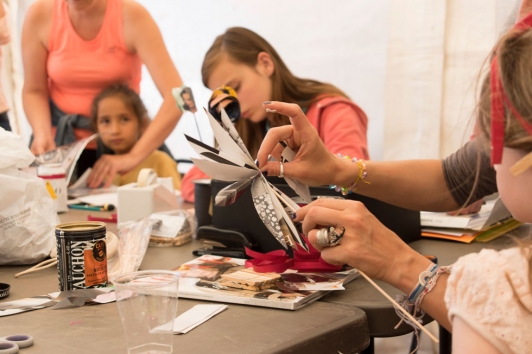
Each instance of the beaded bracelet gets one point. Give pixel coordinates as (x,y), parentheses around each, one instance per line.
(362,175)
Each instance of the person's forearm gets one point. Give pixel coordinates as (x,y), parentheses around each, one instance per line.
(37,110)
(405,277)
(411,184)
(158,130)
(434,305)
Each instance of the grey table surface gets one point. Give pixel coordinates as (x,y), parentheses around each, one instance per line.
(320,327)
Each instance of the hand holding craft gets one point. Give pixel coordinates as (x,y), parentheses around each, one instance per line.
(365,243)
(303,138)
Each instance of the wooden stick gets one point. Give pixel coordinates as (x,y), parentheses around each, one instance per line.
(399,307)
(43,265)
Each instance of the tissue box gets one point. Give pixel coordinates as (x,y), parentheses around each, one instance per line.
(140,200)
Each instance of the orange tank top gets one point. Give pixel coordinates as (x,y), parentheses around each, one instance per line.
(78,69)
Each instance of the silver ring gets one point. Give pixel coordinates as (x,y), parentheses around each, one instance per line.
(334,237)
(322,237)
(281,169)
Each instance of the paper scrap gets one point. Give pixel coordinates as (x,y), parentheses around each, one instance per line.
(196,316)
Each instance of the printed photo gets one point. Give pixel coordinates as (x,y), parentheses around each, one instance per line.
(185,99)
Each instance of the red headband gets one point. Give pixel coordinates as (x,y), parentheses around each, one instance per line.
(499,99)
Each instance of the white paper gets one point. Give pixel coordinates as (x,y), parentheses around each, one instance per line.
(301,189)
(228,125)
(490,213)
(200,150)
(226,143)
(22,305)
(196,316)
(81,182)
(100,199)
(224,172)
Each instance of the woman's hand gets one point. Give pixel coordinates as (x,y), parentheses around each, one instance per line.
(313,165)
(107,166)
(40,145)
(366,245)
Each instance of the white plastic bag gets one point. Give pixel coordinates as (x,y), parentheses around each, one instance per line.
(27,215)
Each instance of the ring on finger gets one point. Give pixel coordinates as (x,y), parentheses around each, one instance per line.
(322,237)
(281,169)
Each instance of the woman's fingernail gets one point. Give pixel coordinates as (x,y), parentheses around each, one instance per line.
(257,162)
(266,102)
(271,110)
(293,215)
(265,173)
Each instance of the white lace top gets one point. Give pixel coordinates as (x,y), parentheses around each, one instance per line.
(491,292)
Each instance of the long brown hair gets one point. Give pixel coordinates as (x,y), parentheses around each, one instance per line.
(514,52)
(244,46)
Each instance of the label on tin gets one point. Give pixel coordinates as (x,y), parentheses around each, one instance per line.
(81,255)
(96,264)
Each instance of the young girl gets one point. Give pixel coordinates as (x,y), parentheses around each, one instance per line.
(243,60)
(119,116)
(487,298)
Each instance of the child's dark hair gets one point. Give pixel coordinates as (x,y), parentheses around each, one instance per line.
(130,98)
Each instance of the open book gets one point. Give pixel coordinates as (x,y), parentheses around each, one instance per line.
(224,279)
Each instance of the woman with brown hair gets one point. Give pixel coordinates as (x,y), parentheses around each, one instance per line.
(486,300)
(245,61)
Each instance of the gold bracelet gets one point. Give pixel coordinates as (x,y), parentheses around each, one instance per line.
(362,173)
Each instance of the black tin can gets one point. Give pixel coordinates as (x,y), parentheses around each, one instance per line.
(81,255)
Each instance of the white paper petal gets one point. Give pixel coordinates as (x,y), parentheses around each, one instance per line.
(301,189)
(231,193)
(226,143)
(223,172)
(228,125)
(206,151)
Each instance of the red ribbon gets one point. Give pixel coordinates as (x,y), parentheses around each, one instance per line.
(279,261)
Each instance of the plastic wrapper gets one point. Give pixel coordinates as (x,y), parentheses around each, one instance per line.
(133,239)
(184,235)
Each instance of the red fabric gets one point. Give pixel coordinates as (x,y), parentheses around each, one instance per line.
(499,99)
(340,123)
(497,114)
(278,261)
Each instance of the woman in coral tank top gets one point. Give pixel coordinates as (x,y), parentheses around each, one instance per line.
(72,49)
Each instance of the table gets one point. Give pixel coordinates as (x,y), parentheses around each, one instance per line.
(320,327)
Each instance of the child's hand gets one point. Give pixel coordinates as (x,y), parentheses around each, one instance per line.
(107,166)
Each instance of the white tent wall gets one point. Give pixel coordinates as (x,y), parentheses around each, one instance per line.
(410,64)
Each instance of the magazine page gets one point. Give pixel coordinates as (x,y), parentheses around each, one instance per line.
(224,279)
